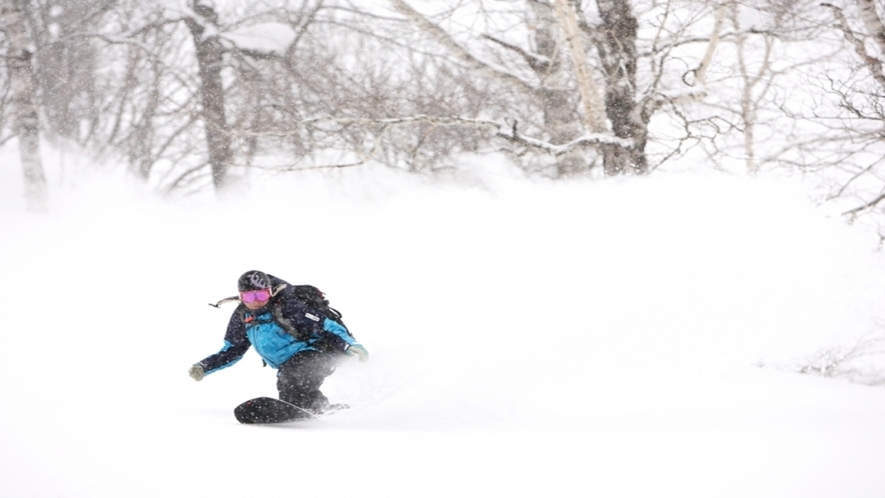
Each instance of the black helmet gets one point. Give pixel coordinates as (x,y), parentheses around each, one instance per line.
(253,280)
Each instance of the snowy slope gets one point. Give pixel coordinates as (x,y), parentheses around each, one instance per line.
(527,338)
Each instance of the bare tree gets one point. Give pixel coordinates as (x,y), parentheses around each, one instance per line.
(67,65)
(203,26)
(564,128)
(860,95)
(607,72)
(762,69)
(23,90)
(629,116)
(562,86)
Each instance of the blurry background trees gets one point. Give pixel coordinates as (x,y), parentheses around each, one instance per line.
(24,114)
(195,95)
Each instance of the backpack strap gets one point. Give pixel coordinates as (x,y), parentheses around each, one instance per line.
(277,312)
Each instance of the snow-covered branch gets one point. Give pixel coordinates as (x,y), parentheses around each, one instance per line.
(506,131)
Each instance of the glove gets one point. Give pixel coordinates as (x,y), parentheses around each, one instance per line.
(359,350)
(196,372)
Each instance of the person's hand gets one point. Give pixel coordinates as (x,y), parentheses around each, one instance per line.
(196,372)
(359,350)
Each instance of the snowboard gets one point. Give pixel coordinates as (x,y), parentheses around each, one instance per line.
(266,410)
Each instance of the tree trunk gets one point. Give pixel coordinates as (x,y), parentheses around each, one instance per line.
(210,60)
(873,23)
(141,157)
(593,118)
(554,92)
(23,90)
(874,64)
(617,48)
(876,29)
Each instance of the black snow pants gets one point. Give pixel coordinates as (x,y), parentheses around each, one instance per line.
(300,378)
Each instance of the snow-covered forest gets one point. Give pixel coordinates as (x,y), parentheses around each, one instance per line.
(594,247)
(190,95)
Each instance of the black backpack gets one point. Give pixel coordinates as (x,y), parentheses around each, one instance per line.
(316,299)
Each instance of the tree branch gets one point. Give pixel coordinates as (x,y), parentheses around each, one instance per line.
(506,131)
(873,64)
(538,63)
(460,52)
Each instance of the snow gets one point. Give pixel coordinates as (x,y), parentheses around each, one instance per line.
(267,38)
(527,338)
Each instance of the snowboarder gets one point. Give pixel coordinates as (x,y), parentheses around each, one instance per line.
(290,333)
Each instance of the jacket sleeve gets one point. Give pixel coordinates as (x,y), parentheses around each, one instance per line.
(235,346)
(335,328)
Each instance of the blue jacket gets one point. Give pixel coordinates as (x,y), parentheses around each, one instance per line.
(281,329)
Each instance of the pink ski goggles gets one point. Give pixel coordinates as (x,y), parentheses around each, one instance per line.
(256,296)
